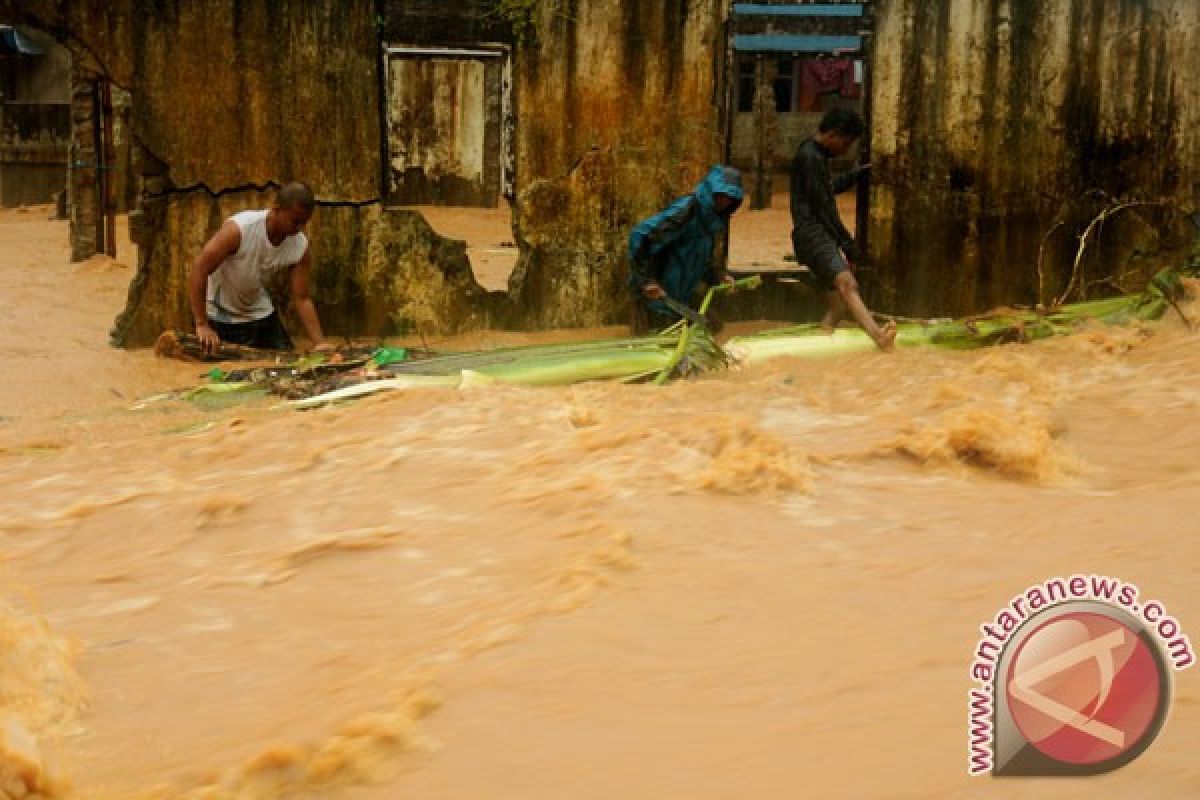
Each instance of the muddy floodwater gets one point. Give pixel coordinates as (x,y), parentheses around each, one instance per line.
(761,584)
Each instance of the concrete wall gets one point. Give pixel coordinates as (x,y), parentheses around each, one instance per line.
(989,117)
(791,130)
(436,22)
(993,119)
(619,111)
(229,97)
(376,270)
(295,93)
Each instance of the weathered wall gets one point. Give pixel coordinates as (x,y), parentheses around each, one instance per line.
(275,98)
(988,116)
(436,22)
(232,93)
(619,112)
(231,96)
(375,271)
(992,118)
(618,107)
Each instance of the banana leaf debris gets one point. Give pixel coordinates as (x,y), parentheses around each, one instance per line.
(686,349)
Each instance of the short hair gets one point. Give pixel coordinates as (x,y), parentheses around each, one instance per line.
(296,194)
(845,122)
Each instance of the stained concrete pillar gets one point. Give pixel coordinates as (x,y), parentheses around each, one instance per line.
(765,132)
(83,184)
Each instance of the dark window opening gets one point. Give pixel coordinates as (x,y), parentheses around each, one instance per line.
(785,82)
(745,84)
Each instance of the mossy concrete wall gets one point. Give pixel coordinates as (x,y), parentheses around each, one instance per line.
(619,111)
(361,254)
(991,117)
(993,121)
(230,98)
(233,93)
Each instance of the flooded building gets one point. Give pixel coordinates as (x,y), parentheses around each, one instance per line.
(792,64)
(35,117)
(991,125)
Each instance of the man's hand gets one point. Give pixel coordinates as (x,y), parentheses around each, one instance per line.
(223,244)
(652,291)
(731,282)
(210,342)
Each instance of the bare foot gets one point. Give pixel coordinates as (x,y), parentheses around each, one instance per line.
(887,337)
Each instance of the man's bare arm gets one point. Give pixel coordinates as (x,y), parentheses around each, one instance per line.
(302,300)
(224,243)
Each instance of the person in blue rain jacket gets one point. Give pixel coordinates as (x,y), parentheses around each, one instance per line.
(671,253)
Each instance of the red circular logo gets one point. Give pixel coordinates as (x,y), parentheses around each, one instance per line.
(1084,688)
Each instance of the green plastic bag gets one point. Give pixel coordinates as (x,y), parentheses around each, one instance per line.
(387,355)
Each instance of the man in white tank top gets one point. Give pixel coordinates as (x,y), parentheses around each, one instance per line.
(227,285)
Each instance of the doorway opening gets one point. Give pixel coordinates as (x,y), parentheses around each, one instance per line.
(449,123)
(789,65)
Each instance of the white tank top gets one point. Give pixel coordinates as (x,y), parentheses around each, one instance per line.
(236,290)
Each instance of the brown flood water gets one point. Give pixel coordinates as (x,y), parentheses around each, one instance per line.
(762,584)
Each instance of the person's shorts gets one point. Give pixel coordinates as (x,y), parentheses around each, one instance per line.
(823,259)
(267,333)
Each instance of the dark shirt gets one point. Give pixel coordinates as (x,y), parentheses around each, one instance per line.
(815,215)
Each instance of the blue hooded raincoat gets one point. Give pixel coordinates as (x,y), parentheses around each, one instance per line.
(674,248)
